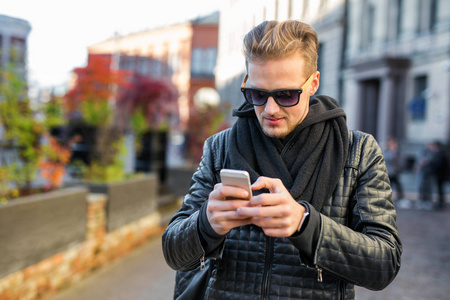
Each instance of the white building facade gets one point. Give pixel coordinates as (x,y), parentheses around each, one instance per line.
(397,70)
(13,41)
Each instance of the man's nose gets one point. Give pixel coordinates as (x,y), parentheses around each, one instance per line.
(271,106)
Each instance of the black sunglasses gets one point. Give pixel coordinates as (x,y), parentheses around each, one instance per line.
(283,97)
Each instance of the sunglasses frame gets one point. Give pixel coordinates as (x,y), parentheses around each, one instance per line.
(273,93)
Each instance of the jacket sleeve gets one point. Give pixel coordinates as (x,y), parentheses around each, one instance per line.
(182,245)
(367,251)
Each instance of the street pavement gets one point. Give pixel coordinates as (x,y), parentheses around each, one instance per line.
(425,271)
(141,275)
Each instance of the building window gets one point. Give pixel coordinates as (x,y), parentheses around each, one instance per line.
(157,68)
(143,65)
(175,62)
(196,61)
(433,14)
(203,61)
(367,26)
(426,15)
(394,20)
(417,105)
(18,50)
(398,29)
(210,62)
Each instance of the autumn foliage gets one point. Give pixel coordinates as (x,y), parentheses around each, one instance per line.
(126,92)
(154,98)
(55,159)
(95,82)
(107,99)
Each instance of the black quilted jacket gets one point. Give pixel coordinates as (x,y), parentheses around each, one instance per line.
(357,240)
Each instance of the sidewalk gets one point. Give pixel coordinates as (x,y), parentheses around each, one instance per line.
(425,271)
(141,275)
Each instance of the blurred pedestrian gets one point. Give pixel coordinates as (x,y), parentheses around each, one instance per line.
(432,170)
(394,166)
(440,166)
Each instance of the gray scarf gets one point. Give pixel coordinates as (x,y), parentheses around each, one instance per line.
(309,161)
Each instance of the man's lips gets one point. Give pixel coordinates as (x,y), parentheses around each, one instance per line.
(273,120)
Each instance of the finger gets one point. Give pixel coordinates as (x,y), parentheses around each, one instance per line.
(266,199)
(226,216)
(270,222)
(233,192)
(222,192)
(226,205)
(223,228)
(262,211)
(275,185)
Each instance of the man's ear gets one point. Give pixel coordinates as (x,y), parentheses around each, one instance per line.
(315,83)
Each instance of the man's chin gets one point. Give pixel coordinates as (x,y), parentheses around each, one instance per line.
(275,132)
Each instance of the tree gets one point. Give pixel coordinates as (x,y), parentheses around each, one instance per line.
(93,95)
(23,138)
(203,123)
(107,99)
(155,99)
(22,133)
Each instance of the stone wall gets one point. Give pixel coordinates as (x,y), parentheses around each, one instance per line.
(66,268)
(36,227)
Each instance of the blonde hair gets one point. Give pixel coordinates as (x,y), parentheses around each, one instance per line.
(275,40)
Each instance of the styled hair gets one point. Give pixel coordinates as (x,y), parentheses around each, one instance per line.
(274,40)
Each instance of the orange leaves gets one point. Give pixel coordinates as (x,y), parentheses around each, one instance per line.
(96,81)
(56,157)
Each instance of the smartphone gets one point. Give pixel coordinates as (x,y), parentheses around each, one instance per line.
(237,178)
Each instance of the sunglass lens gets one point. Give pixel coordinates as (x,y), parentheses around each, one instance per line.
(287,98)
(256,97)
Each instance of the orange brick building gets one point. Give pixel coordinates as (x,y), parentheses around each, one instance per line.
(183,54)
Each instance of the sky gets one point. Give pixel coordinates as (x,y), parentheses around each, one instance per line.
(62,30)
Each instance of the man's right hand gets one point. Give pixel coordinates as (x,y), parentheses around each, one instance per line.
(221,208)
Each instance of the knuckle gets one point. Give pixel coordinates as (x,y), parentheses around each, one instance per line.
(259,212)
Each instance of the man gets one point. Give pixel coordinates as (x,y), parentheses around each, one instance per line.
(432,168)
(321,218)
(392,158)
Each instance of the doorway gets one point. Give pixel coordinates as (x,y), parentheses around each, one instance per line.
(370,90)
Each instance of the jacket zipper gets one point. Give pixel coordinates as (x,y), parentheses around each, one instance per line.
(267,268)
(319,274)
(202,263)
(341,290)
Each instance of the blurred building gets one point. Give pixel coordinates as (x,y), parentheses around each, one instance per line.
(397,70)
(386,62)
(13,42)
(183,54)
(13,50)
